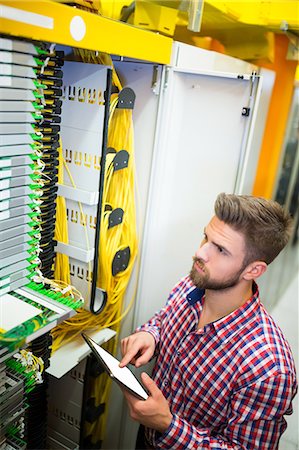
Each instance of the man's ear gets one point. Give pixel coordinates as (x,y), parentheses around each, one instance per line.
(255,270)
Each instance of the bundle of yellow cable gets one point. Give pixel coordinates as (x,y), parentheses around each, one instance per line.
(119,192)
(123,185)
(61,264)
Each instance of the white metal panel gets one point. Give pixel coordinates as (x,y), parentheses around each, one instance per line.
(188,57)
(82,122)
(81,133)
(197,153)
(68,356)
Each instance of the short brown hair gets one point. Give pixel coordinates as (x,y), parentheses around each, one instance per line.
(265,224)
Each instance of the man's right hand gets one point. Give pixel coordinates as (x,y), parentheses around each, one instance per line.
(137,349)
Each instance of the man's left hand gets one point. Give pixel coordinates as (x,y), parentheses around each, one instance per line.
(153,412)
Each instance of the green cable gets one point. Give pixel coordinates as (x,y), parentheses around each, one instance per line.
(37,105)
(38,61)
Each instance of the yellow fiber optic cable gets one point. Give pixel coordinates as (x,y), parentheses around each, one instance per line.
(117,237)
(61,263)
(119,192)
(107,202)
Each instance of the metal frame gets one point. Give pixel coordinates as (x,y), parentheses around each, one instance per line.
(50,21)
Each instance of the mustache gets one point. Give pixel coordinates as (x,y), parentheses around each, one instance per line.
(199,261)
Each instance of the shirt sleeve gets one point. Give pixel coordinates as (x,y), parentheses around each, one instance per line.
(153,327)
(255,420)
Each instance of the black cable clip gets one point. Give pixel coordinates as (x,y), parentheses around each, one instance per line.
(126,98)
(120,160)
(98,304)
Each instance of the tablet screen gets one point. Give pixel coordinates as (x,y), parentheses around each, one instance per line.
(121,374)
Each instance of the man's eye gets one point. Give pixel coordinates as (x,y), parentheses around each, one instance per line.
(220,249)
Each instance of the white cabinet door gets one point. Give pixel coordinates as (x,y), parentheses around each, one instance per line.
(200,141)
(190,143)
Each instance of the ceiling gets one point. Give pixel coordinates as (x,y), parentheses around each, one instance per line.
(245,28)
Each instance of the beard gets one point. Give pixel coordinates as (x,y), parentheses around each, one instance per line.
(204,281)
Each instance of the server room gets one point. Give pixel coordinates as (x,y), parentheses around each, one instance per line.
(149,224)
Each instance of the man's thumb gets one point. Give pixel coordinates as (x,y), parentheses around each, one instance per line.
(149,383)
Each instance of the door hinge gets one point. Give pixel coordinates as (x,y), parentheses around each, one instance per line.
(155,80)
(166,78)
(246,109)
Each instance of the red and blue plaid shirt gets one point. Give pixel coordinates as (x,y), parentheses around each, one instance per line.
(228,384)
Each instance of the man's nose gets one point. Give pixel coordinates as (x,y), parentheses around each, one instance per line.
(203,252)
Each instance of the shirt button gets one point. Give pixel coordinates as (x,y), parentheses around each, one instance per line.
(178,353)
(165,382)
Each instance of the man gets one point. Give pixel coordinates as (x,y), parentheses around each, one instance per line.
(224,375)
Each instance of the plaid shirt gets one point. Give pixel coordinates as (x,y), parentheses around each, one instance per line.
(228,384)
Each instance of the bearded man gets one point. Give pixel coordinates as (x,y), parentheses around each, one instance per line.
(224,375)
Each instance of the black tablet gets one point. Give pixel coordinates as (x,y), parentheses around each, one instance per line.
(122,375)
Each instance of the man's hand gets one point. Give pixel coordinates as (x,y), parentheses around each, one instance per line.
(137,349)
(153,412)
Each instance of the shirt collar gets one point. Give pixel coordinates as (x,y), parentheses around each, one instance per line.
(242,317)
(230,324)
(195,295)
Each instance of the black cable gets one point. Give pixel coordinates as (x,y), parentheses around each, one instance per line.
(99,206)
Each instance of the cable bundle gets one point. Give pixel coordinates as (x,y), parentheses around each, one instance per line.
(28,364)
(118,193)
(61,266)
(118,241)
(118,238)
(51,77)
